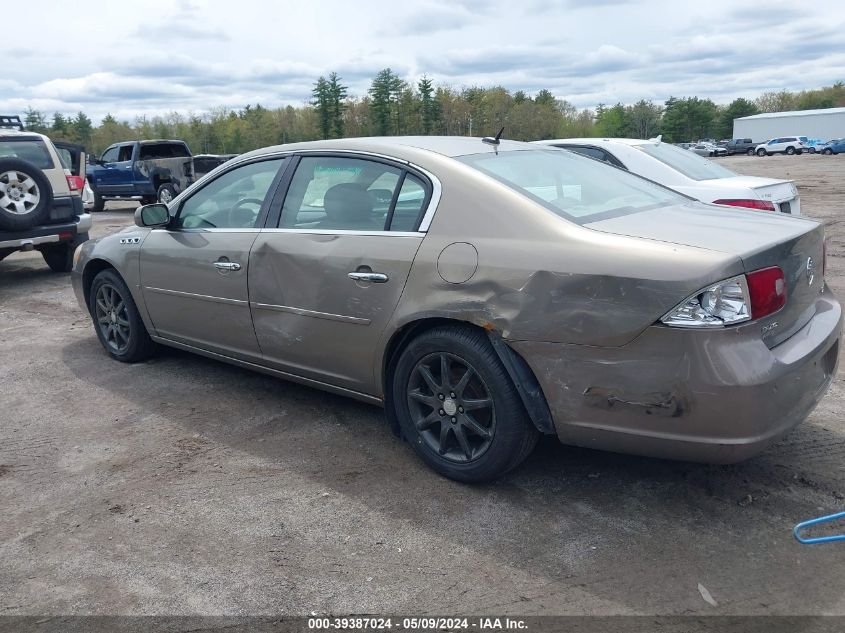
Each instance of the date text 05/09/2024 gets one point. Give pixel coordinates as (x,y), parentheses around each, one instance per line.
(416,623)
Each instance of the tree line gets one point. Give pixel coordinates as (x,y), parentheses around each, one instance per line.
(393,105)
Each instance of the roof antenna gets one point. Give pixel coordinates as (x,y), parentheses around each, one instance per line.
(494,140)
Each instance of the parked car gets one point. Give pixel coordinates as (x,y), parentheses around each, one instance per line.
(781,145)
(687,173)
(145,170)
(685,145)
(708,149)
(205,163)
(40,201)
(740,146)
(834,146)
(501,290)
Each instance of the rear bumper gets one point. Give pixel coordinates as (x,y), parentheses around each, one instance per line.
(714,396)
(45,234)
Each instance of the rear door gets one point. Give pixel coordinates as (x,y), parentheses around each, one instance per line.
(194,273)
(73,156)
(324,284)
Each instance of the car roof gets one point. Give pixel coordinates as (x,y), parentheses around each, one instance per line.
(401,146)
(601,141)
(22,135)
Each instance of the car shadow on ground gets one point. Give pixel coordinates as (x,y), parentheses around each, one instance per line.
(573,515)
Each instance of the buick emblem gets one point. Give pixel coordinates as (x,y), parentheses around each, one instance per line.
(811,270)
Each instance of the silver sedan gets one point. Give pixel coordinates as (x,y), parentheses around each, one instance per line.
(483,293)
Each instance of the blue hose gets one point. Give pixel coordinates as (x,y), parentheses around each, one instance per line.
(819,539)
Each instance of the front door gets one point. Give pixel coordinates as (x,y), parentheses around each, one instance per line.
(194,273)
(116,176)
(323,286)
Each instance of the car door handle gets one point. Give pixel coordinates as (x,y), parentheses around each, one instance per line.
(227,265)
(376,278)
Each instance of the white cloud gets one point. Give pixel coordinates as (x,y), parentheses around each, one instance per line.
(197,55)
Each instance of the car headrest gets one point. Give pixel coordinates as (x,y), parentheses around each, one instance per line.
(348,202)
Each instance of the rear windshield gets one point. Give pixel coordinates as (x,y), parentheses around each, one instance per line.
(34,152)
(574,187)
(688,163)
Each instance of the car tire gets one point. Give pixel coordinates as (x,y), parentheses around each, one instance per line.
(99,203)
(166,193)
(790,150)
(812,150)
(25,194)
(750,151)
(116,319)
(465,444)
(761,152)
(59,257)
(827,152)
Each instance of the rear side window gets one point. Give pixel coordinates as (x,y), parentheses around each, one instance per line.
(352,194)
(150,151)
(124,154)
(35,152)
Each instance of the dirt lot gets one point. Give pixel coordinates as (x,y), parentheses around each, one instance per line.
(184,486)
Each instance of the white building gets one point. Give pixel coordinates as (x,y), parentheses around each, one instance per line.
(825,124)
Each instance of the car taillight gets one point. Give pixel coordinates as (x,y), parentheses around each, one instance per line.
(762,205)
(75,183)
(767,290)
(735,300)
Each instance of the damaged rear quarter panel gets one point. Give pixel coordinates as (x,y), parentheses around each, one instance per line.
(542,278)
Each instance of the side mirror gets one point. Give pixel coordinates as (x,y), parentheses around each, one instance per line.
(152,216)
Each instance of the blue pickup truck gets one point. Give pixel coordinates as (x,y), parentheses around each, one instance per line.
(154,171)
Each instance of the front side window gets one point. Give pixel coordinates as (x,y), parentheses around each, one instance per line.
(110,155)
(35,152)
(689,164)
(352,194)
(232,200)
(573,187)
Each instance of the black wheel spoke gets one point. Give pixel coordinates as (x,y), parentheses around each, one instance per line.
(462,383)
(463,441)
(428,421)
(478,403)
(472,424)
(444,371)
(425,372)
(444,437)
(426,399)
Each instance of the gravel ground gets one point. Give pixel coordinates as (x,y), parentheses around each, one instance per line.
(186,486)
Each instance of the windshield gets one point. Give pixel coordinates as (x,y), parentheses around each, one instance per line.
(688,163)
(576,188)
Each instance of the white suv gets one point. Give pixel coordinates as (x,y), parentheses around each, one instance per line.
(40,198)
(782,145)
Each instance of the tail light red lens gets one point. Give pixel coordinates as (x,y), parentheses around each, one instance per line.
(767,290)
(762,205)
(75,183)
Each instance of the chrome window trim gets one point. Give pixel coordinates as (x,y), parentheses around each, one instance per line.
(417,234)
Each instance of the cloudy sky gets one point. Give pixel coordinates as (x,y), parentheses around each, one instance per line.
(151,56)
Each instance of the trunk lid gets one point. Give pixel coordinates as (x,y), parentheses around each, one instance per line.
(759,238)
(782,193)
